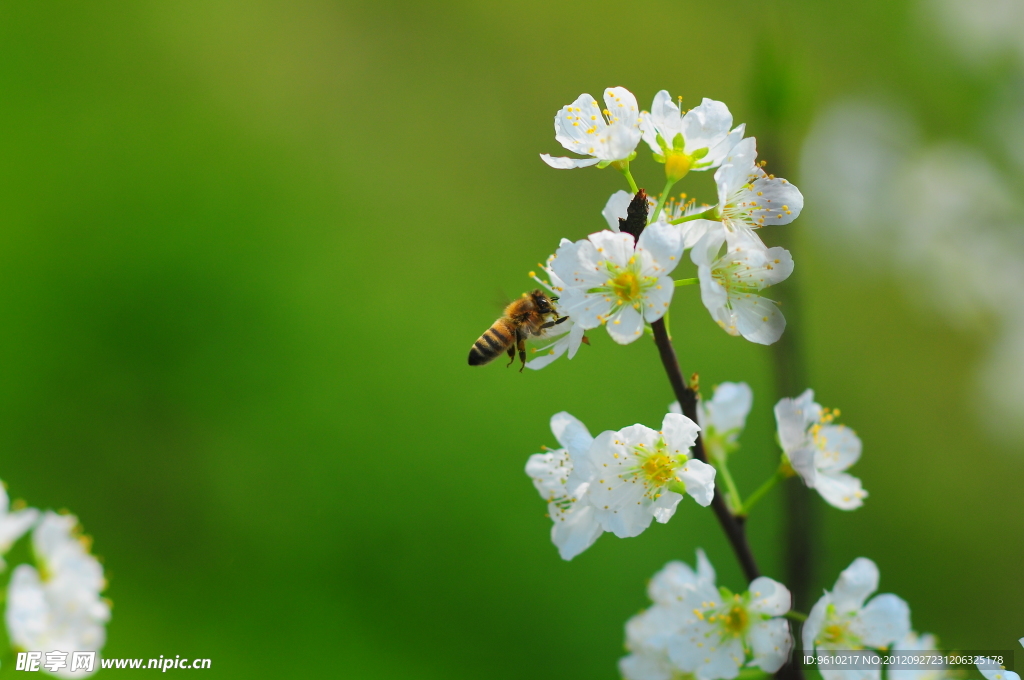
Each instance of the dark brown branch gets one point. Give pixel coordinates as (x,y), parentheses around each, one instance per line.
(732,525)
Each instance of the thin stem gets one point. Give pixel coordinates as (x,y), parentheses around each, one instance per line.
(629,177)
(661,201)
(761,491)
(708,214)
(796,616)
(687,282)
(732,525)
(735,500)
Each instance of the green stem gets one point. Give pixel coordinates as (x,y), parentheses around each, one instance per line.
(629,177)
(708,214)
(687,282)
(735,501)
(796,616)
(661,201)
(764,488)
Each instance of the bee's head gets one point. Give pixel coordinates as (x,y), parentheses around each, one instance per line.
(543,302)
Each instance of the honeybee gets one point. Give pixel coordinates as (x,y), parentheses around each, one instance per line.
(525,317)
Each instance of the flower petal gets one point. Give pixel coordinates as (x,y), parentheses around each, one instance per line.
(659,248)
(664,506)
(575,531)
(680,433)
(729,406)
(625,325)
(885,620)
(657,299)
(571,434)
(565,163)
(699,480)
(769,597)
(758,319)
(840,490)
(839,448)
(771,642)
(855,583)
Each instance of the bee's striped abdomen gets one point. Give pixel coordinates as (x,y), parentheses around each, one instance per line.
(492,343)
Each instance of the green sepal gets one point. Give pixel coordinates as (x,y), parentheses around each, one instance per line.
(658,157)
(699,153)
(679,144)
(604,164)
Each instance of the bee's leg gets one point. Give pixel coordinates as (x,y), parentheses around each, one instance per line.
(549,324)
(521,345)
(511,354)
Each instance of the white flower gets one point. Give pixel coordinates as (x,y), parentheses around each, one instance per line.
(568,335)
(749,198)
(58,607)
(841,621)
(722,419)
(606,136)
(912,642)
(725,628)
(575,524)
(819,450)
(696,140)
(646,635)
(617,282)
(13,524)
(638,474)
(649,632)
(729,284)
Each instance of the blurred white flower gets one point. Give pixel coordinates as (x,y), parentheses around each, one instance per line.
(575,523)
(12,524)
(638,474)
(943,219)
(912,642)
(841,620)
(648,633)
(698,139)
(819,450)
(605,135)
(729,284)
(722,419)
(561,338)
(725,627)
(706,632)
(58,606)
(981,30)
(617,283)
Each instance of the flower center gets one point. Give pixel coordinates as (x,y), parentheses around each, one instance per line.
(626,287)
(659,469)
(677,165)
(736,620)
(833,633)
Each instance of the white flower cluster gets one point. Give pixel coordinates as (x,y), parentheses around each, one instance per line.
(708,632)
(611,279)
(622,480)
(618,481)
(56,604)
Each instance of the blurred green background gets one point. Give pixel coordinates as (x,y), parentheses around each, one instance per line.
(246,246)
